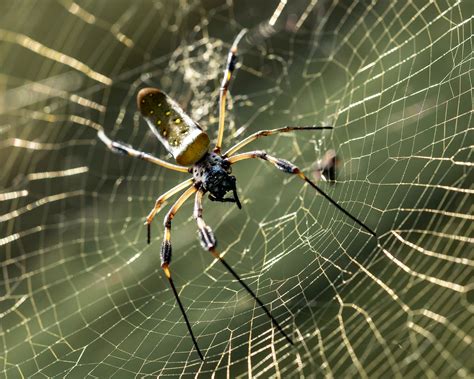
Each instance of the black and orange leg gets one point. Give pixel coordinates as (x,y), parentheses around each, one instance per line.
(290,168)
(208,242)
(271,132)
(166,258)
(229,69)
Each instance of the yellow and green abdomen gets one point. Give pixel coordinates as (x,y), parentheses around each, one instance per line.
(180,134)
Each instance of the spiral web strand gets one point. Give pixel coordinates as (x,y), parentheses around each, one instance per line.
(83,294)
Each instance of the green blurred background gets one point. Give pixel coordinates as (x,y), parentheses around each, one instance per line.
(83,294)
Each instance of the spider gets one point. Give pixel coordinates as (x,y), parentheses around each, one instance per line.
(211,170)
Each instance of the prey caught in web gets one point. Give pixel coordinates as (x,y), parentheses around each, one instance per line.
(210,170)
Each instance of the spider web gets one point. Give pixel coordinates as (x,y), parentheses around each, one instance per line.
(83,295)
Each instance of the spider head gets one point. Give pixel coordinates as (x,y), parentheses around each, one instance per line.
(218,182)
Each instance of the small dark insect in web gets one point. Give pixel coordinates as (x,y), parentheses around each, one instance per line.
(211,170)
(327,167)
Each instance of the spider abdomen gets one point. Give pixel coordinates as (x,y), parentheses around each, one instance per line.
(180,135)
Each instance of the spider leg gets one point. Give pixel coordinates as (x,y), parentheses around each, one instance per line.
(120,148)
(264,133)
(166,257)
(290,168)
(230,67)
(208,242)
(161,200)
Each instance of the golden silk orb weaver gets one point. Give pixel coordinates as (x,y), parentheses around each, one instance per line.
(210,170)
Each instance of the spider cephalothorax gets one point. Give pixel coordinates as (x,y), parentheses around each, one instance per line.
(212,174)
(189,145)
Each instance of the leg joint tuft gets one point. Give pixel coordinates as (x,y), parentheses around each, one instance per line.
(206,237)
(165,253)
(286,166)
